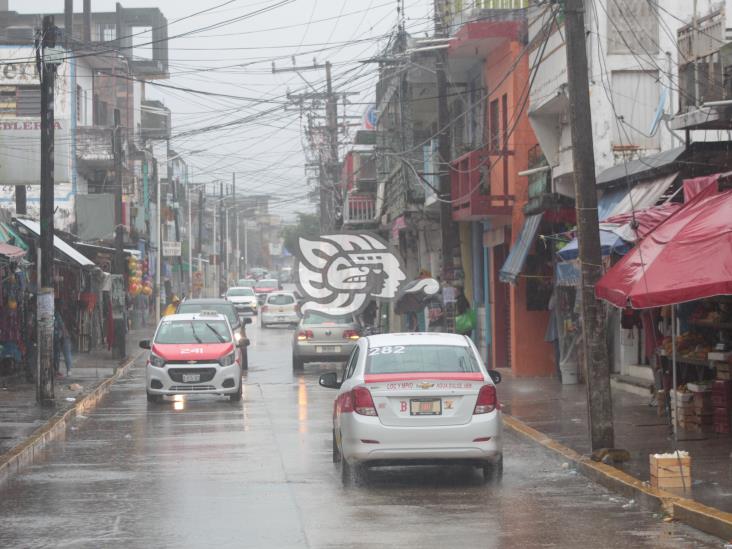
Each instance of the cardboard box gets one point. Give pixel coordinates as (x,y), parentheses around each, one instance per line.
(671,482)
(670,471)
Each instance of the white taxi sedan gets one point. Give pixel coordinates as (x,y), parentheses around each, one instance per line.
(408,399)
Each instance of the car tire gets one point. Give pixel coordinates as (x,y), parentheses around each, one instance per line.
(352,475)
(297,364)
(493,472)
(236,397)
(154,399)
(336,452)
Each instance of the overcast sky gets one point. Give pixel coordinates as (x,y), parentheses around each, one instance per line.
(235,58)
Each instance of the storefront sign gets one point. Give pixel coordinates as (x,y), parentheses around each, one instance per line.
(171,248)
(21,139)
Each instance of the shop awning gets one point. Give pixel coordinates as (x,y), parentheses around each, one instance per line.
(9,236)
(610,243)
(10,251)
(75,257)
(520,250)
(685,258)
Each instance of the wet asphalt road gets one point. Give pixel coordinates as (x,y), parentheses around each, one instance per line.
(205,472)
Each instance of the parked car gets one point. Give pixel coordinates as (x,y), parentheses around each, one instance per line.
(266,286)
(322,338)
(246,283)
(193,353)
(415,398)
(258,273)
(244,299)
(222,306)
(280,308)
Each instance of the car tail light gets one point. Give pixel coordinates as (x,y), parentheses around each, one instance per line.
(264,308)
(487,400)
(362,402)
(303,335)
(351,334)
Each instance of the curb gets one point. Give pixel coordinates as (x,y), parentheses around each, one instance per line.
(24,453)
(695,514)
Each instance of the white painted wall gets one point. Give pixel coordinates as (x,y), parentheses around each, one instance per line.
(552,128)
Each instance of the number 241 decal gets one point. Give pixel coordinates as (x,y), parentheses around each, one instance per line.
(387,350)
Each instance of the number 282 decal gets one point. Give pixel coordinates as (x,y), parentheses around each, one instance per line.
(387,350)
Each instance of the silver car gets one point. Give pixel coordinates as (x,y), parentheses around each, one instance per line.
(416,399)
(280,308)
(322,338)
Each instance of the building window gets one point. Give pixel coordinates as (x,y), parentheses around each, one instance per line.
(635,97)
(20,101)
(504,121)
(632,27)
(494,138)
(107,32)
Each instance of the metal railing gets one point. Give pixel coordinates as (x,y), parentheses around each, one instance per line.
(359,208)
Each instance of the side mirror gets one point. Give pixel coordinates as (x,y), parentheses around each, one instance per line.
(246,320)
(495,376)
(329,381)
(144,344)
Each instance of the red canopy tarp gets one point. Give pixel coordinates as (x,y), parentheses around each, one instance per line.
(10,251)
(687,257)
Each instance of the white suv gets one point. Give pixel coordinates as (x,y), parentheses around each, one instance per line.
(280,308)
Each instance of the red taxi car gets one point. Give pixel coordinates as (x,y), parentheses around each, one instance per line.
(193,353)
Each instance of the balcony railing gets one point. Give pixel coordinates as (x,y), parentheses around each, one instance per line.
(479,186)
(359,209)
(94,145)
(465,11)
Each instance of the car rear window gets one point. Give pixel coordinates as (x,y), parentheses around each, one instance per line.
(402,359)
(268,284)
(193,331)
(317,318)
(238,292)
(226,309)
(281,300)
(246,282)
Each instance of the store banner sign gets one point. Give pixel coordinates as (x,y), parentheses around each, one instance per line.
(171,248)
(338,274)
(20,151)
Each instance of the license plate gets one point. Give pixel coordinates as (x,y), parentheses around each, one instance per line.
(425,407)
(189,378)
(281,318)
(328,349)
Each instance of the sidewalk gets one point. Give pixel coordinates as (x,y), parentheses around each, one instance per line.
(20,415)
(560,412)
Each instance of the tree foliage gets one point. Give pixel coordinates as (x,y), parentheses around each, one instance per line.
(307,226)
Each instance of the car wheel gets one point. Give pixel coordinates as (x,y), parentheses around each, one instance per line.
(336,451)
(245,360)
(297,363)
(493,472)
(155,399)
(236,397)
(352,475)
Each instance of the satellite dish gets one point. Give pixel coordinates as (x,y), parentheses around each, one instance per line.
(660,111)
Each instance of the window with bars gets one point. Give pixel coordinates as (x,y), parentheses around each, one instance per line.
(20,101)
(494,129)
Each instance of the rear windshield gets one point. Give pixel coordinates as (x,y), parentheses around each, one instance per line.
(402,359)
(268,284)
(193,331)
(246,282)
(281,300)
(317,318)
(226,309)
(238,292)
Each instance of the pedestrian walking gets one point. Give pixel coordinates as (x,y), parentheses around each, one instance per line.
(61,342)
(172,306)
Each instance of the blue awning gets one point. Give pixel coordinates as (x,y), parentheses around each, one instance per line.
(610,243)
(517,257)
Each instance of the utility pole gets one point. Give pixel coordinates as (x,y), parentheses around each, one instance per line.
(594,356)
(447,226)
(222,239)
(119,237)
(45,300)
(331,117)
(20,200)
(236,223)
(87,22)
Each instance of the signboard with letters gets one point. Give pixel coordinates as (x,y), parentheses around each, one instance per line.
(171,248)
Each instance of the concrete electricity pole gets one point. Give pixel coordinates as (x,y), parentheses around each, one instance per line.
(45,300)
(120,324)
(595,356)
(447,226)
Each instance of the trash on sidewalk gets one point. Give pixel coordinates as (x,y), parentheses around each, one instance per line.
(75,387)
(70,399)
